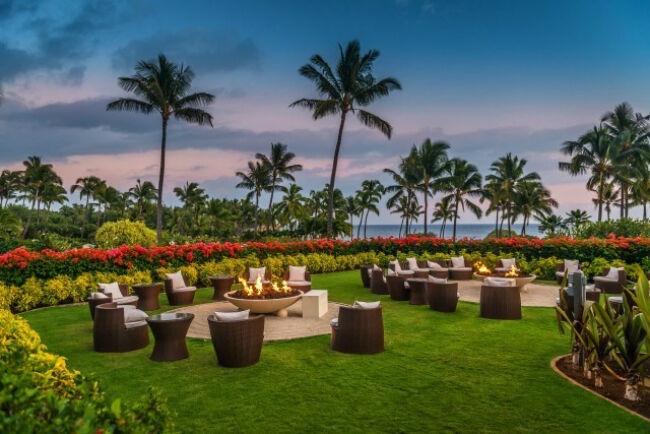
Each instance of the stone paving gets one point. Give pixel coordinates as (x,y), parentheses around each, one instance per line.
(534,295)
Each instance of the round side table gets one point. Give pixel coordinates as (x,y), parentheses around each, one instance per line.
(221,285)
(169,330)
(148,295)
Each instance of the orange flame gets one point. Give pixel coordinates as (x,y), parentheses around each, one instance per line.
(481,268)
(513,272)
(257,288)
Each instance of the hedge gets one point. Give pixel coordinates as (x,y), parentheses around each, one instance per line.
(39,393)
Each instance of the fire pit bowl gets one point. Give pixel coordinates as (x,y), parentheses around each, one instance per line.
(277,305)
(520,281)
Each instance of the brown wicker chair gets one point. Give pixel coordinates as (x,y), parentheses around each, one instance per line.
(94,302)
(396,287)
(501,268)
(304,286)
(111,335)
(177,297)
(403,266)
(358,331)
(442,274)
(500,302)
(378,282)
(365,275)
(237,344)
(610,286)
(443,297)
(418,288)
(124,289)
(559,271)
(465,273)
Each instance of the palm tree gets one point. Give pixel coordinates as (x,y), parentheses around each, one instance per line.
(257,180)
(86,187)
(292,205)
(594,152)
(10,183)
(494,195)
(53,193)
(143,193)
(443,212)
(35,177)
(610,198)
(368,198)
(192,197)
(532,198)
(409,210)
(405,182)
(345,89)
(576,218)
(461,180)
(549,224)
(507,174)
(279,164)
(164,87)
(431,161)
(352,208)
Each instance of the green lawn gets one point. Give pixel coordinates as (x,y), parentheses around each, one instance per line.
(440,372)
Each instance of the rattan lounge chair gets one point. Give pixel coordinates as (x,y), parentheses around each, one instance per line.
(461,273)
(396,288)
(112,335)
(365,275)
(358,331)
(559,270)
(181,295)
(124,300)
(303,284)
(237,344)
(607,284)
(504,267)
(500,302)
(378,281)
(443,297)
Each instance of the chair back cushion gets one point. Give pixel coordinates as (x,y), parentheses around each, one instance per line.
(111,288)
(413,263)
(177,279)
(254,272)
(396,265)
(232,316)
(434,265)
(613,273)
(366,304)
(297,273)
(98,295)
(497,281)
(458,262)
(571,265)
(433,279)
(508,263)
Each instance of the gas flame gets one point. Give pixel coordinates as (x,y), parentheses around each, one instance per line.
(482,269)
(513,272)
(257,288)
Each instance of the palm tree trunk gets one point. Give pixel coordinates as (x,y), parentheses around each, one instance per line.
(330,205)
(622,201)
(455,219)
(509,220)
(401,223)
(645,203)
(496,223)
(442,227)
(359,225)
(257,202)
(351,226)
(523,228)
(29,217)
(271,220)
(365,224)
(161,179)
(426,205)
(600,200)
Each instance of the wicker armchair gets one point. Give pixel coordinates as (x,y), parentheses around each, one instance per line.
(441,273)
(94,302)
(112,335)
(500,302)
(302,285)
(461,273)
(179,296)
(358,331)
(502,267)
(443,297)
(126,299)
(608,285)
(365,275)
(396,287)
(237,344)
(378,282)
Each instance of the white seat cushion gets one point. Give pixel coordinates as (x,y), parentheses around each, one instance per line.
(366,304)
(435,266)
(391,272)
(571,266)
(413,263)
(133,315)
(254,272)
(437,280)
(130,325)
(112,289)
(604,279)
(334,322)
(508,263)
(616,299)
(462,268)
(298,282)
(177,279)
(232,316)
(186,289)
(396,265)
(458,262)
(297,273)
(406,273)
(127,300)
(497,281)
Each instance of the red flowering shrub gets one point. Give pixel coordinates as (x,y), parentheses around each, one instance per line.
(18,265)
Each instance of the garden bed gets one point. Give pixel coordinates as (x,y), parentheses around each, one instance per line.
(613,389)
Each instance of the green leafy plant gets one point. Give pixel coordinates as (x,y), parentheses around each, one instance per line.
(115,234)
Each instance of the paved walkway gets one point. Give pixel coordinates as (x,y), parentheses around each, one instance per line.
(295,326)
(292,327)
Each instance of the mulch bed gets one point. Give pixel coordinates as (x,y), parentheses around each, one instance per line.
(613,389)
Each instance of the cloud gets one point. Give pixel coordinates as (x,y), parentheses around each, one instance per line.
(205,51)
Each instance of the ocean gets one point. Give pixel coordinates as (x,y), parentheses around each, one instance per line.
(477,231)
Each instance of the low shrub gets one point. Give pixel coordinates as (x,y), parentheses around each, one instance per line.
(124,232)
(39,393)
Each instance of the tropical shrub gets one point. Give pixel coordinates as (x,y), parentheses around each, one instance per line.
(124,232)
(39,393)
(625,227)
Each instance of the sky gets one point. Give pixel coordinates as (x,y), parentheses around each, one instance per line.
(488,77)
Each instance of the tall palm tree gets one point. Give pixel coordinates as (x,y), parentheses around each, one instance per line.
(53,193)
(143,193)
(368,198)
(35,177)
(595,153)
(292,206)
(257,180)
(462,181)
(409,210)
(431,158)
(494,195)
(163,87)
(86,186)
(352,208)
(610,198)
(507,173)
(576,218)
(550,224)
(10,183)
(443,212)
(405,182)
(345,89)
(192,197)
(279,163)
(532,198)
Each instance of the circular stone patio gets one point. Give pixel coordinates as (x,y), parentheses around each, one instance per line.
(533,295)
(275,328)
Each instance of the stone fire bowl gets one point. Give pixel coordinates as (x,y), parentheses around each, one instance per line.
(263,305)
(520,282)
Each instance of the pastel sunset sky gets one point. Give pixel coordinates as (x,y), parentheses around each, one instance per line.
(489,77)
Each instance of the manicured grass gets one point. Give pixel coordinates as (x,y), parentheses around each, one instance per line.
(440,372)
